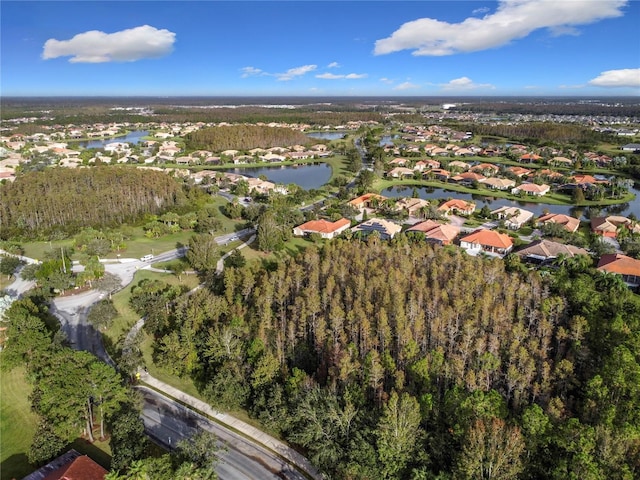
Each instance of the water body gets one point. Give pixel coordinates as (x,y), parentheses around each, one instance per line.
(327,135)
(306,176)
(134,137)
(429,193)
(387,140)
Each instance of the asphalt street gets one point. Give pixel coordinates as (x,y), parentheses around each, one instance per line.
(168,422)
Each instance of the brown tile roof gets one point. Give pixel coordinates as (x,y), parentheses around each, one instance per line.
(569,223)
(81,468)
(549,249)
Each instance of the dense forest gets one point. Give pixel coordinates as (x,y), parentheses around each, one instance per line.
(65,200)
(243,137)
(538,132)
(412,362)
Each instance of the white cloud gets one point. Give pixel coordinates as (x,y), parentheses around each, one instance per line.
(480,11)
(333,76)
(513,19)
(123,46)
(329,76)
(406,86)
(386,80)
(333,65)
(464,83)
(251,72)
(295,72)
(627,77)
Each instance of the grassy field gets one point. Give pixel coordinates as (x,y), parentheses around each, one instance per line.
(17,424)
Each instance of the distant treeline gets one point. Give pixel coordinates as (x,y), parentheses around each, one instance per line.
(65,200)
(243,137)
(553,108)
(541,132)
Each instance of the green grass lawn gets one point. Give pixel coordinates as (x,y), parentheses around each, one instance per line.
(17,424)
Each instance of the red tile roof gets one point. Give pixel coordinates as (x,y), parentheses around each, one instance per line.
(324,226)
(618,263)
(489,238)
(81,468)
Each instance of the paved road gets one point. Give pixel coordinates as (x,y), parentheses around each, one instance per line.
(168,422)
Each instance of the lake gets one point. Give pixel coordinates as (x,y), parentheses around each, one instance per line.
(327,135)
(308,176)
(429,193)
(134,137)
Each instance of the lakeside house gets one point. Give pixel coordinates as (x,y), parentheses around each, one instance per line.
(457,206)
(514,217)
(411,205)
(569,223)
(609,226)
(368,200)
(531,189)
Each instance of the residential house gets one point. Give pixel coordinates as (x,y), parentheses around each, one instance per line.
(400,172)
(243,159)
(438,174)
(514,217)
(436,232)
(399,162)
(385,228)
(324,228)
(70,466)
(531,189)
(457,164)
(530,158)
(457,206)
(570,224)
(411,205)
(499,183)
(467,178)
(519,171)
(561,161)
(487,241)
(545,251)
(273,157)
(608,226)
(486,169)
(368,200)
(631,147)
(627,267)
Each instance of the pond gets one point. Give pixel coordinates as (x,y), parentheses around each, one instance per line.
(327,135)
(387,140)
(429,193)
(308,176)
(134,137)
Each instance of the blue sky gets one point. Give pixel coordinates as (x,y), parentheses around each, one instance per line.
(320,48)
